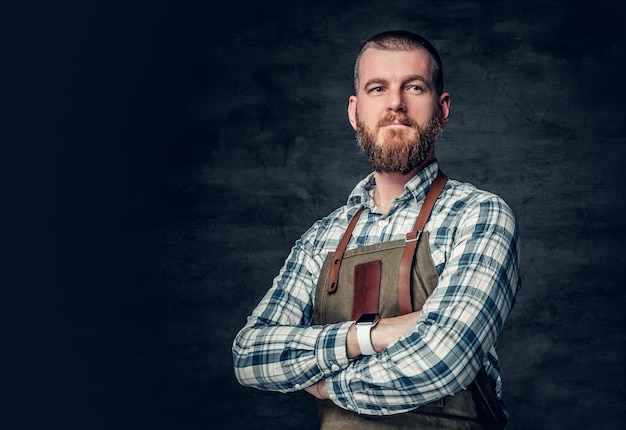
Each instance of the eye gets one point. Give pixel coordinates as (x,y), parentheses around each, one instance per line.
(415,88)
(376,90)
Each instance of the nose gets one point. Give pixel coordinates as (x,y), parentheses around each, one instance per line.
(396,102)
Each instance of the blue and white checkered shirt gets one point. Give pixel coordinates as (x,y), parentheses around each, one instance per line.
(473,243)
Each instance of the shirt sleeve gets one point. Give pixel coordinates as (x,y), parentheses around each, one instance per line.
(279,349)
(459,324)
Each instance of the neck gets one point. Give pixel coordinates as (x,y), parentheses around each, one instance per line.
(391,185)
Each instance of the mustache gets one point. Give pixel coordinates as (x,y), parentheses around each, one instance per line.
(397,117)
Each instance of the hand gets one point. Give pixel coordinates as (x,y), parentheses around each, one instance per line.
(318,390)
(388,330)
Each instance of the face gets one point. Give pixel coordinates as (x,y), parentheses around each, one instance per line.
(397,113)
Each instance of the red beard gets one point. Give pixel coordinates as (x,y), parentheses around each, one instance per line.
(399,152)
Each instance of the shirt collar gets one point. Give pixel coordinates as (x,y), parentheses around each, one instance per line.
(415,188)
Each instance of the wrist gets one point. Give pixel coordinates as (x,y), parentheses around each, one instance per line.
(352,344)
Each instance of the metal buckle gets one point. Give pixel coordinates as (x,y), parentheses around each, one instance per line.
(419,234)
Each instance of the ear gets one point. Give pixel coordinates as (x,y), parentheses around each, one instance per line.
(444,101)
(352,111)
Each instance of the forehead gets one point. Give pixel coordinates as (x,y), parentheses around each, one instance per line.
(395,65)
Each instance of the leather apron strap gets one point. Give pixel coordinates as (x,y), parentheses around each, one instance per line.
(341,248)
(412,238)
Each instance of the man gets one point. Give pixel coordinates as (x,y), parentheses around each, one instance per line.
(428,267)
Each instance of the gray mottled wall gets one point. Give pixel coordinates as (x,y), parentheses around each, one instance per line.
(193,144)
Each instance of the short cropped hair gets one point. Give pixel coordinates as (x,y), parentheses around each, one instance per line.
(401,40)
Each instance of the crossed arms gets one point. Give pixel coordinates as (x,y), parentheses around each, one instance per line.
(422,356)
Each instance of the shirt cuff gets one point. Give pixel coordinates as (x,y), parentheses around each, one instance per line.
(332,355)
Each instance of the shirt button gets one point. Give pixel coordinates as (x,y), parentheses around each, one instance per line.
(335,367)
(297,386)
(383,223)
(384,411)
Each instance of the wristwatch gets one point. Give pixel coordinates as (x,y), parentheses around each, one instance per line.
(364,325)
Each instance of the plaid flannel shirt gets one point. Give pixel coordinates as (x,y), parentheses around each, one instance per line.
(473,243)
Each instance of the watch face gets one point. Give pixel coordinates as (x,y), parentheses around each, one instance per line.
(367,318)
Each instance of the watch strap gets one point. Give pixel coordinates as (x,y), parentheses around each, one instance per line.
(363,334)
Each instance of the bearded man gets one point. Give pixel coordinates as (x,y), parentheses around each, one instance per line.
(388,310)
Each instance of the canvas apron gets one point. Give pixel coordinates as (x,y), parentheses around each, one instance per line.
(345,294)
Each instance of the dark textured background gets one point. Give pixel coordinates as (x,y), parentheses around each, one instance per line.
(174,151)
